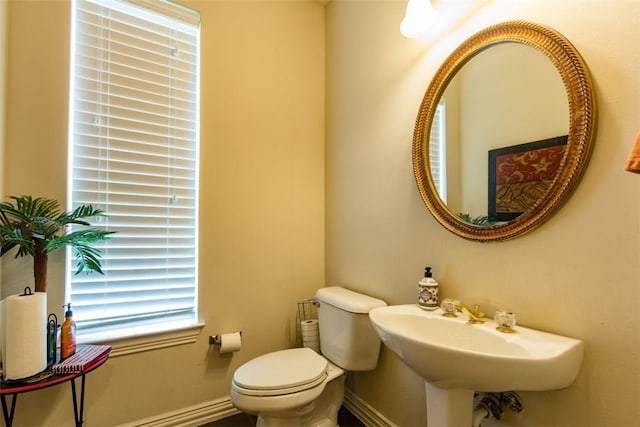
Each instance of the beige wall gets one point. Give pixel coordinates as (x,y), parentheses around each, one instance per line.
(575,276)
(3,43)
(263,199)
(262,193)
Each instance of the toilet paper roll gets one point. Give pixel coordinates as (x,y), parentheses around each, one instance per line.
(230,342)
(24,323)
(310,334)
(309,326)
(313,346)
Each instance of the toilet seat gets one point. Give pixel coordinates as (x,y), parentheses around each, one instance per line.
(281,372)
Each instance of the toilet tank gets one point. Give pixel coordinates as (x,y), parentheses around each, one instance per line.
(346,335)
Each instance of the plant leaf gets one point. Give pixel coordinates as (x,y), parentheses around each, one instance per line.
(28,222)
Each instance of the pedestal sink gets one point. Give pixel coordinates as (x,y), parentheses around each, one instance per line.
(456,358)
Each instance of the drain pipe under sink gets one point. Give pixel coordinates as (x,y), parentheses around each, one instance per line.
(491,405)
(479,414)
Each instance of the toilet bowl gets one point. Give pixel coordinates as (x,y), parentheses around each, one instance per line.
(299,387)
(284,388)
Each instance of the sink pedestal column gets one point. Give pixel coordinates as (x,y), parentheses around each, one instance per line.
(449,408)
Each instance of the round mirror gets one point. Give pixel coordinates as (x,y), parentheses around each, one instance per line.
(504,131)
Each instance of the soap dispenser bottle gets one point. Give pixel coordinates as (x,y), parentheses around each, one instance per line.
(428,291)
(68,334)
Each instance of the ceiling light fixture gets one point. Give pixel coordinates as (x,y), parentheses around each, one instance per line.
(419,17)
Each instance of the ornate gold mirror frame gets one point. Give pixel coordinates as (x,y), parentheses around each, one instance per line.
(581,135)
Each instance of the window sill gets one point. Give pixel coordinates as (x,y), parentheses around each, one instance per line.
(152,337)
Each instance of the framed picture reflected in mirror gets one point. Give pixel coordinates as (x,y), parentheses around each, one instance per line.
(520,174)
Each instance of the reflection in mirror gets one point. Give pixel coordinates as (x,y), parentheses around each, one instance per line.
(504,131)
(494,101)
(520,175)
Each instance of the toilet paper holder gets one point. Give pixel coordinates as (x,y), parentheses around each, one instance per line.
(217,339)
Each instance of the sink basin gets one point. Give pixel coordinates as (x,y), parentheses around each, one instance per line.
(450,353)
(454,356)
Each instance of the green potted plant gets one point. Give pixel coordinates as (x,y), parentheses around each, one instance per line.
(39,226)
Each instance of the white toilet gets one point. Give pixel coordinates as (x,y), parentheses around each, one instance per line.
(299,387)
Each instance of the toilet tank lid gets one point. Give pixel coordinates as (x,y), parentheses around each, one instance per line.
(347,300)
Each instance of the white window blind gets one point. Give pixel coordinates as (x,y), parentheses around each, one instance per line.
(437,151)
(134,154)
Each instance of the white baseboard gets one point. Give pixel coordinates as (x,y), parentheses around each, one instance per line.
(191,416)
(206,412)
(365,412)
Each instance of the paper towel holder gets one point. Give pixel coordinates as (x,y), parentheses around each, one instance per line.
(217,339)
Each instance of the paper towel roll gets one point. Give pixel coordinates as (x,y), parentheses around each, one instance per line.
(24,334)
(230,342)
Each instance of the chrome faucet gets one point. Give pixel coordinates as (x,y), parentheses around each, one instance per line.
(475,318)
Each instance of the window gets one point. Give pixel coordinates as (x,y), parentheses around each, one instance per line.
(133,153)
(437,151)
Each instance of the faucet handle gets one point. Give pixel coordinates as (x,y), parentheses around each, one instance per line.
(506,321)
(449,307)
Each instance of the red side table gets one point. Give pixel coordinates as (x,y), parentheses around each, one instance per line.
(13,388)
